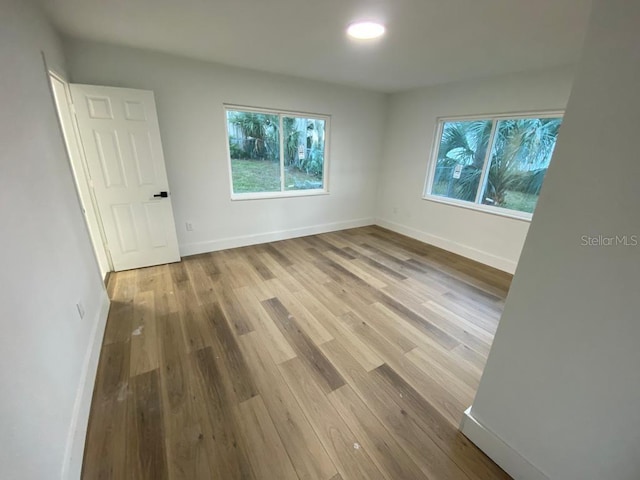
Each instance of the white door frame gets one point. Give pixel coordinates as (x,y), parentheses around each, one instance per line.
(77,160)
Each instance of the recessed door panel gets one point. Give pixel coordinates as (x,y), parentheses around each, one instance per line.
(121,138)
(110,157)
(100,108)
(125,227)
(141,151)
(134,111)
(155,218)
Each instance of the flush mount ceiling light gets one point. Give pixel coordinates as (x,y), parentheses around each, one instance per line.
(365,30)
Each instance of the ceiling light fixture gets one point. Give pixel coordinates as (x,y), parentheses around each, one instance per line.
(365,30)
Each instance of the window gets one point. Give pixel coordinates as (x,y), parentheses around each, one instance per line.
(496,164)
(273,153)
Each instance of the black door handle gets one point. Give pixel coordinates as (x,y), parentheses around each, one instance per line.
(162,194)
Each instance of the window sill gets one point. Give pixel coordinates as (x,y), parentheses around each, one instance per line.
(502,212)
(268,195)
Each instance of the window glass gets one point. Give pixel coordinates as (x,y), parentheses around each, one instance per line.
(271,152)
(521,153)
(510,176)
(254,148)
(303,153)
(461,156)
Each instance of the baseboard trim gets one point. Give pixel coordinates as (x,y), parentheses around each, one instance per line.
(509,460)
(486,258)
(246,240)
(74,452)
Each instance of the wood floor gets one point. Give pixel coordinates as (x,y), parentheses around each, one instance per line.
(349,355)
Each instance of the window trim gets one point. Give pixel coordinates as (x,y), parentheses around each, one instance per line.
(433,160)
(282,193)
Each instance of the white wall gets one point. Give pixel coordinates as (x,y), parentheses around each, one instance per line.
(47,264)
(488,238)
(190,96)
(562,383)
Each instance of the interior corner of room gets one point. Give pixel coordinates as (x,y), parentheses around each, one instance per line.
(334,237)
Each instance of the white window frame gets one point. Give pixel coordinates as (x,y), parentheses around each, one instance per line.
(495,118)
(282,193)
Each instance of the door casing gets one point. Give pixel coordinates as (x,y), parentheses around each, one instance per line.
(62,99)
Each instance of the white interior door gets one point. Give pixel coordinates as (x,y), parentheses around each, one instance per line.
(121,140)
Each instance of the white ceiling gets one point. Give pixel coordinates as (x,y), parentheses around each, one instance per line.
(427,41)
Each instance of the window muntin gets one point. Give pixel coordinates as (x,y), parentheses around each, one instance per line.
(496,164)
(273,153)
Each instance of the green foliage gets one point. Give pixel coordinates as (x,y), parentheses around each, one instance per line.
(292,138)
(523,202)
(235,151)
(521,152)
(468,183)
(519,143)
(465,143)
(307,134)
(529,182)
(313,163)
(254,135)
(533,183)
(259,135)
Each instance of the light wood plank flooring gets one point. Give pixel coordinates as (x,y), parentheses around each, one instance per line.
(348,355)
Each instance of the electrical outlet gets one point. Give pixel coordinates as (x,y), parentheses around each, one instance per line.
(80,308)
(189,226)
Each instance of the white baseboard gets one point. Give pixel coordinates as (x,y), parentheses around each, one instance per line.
(245,240)
(500,263)
(509,460)
(72,466)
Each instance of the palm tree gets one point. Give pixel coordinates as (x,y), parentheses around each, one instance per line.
(306,133)
(260,137)
(464,143)
(520,146)
(292,138)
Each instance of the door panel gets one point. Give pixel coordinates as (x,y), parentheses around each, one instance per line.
(125,227)
(110,156)
(143,158)
(121,139)
(155,217)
